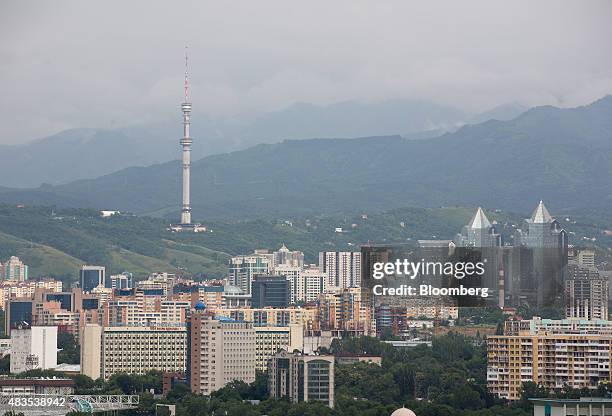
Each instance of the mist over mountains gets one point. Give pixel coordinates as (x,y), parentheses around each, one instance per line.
(88,153)
(563,156)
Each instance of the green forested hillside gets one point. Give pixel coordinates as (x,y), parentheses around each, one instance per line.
(55,242)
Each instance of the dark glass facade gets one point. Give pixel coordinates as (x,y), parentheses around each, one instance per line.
(19,311)
(91,278)
(65,299)
(318,381)
(270,291)
(90,304)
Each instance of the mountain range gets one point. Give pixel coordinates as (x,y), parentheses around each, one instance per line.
(88,153)
(563,156)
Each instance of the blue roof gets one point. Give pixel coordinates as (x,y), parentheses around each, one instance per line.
(225,319)
(213,288)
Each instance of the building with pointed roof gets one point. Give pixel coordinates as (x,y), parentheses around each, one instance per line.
(547,242)
(286,257)
(478,232)
(480,235)
(541,215)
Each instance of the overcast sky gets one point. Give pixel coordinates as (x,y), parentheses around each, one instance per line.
(66,64)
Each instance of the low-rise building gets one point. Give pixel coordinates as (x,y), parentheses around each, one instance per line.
(56,386)
(592,406)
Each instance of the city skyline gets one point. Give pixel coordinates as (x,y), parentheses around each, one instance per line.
(380,208)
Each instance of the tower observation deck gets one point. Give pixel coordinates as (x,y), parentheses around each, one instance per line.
(186,142)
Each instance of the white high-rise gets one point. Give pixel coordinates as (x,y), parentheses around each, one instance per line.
(33,348)
(343,268)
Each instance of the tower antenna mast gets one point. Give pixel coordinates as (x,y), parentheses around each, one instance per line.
(186,142)
(186,74)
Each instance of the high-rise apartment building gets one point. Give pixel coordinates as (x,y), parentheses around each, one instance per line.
(91,277)
(553,354)
(307,283)
(10,289)
(286,257)
(343,268)
(212,296)
(132,350)
(347,310)
(14,270)
(586,293)
(294,275)
(302,377)
(220,351)
(314,283)
(243,269)
(33,347)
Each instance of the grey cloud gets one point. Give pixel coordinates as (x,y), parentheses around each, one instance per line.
(72,64)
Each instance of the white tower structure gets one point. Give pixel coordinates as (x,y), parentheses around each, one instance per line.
(186,142)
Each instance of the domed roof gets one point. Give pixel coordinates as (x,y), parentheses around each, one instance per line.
(232,290)
(403,412)
(200,306)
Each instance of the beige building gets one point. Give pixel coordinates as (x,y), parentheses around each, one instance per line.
(550,353)
(146,311)
(349,310)
(132,350)
(91,351)
(222,350)
(12,289)
(272,339)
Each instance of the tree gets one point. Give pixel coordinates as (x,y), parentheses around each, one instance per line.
(5,364)
(70,350)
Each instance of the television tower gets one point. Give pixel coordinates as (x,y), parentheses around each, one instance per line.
(186,142)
